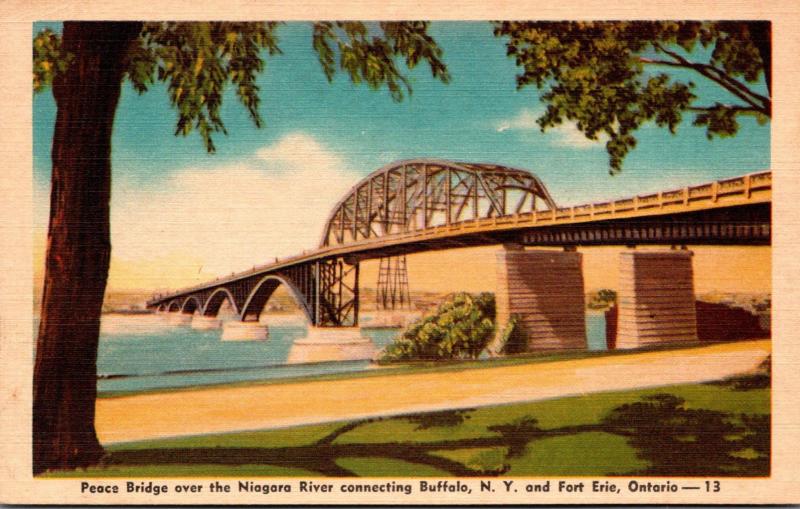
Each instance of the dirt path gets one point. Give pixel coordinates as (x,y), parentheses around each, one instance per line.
(272,406)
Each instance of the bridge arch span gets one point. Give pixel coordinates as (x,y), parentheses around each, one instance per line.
(419,194)
(191,305)
(174,306)
(263,290)
(215,300)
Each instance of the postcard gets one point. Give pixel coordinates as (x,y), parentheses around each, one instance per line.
(375,254)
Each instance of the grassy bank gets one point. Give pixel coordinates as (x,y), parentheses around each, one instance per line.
(698,429)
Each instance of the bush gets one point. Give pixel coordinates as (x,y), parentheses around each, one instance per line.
(461,328)
(603,299)
(514,339)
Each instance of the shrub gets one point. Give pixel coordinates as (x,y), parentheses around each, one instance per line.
(460,328)
(514,339)
(603,299)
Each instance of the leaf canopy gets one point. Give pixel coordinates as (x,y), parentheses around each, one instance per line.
(199,60)
(460,328)
(611,77)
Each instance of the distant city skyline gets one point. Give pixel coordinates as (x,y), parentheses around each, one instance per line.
(181,216)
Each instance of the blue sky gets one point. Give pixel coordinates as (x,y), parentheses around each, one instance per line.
(350,131)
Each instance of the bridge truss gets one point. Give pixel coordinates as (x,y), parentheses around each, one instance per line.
(423,205)
(392,289)
(425,193)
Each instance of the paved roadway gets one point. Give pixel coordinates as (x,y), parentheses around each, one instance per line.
(223,409)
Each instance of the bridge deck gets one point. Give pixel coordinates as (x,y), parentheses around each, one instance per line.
(751,189)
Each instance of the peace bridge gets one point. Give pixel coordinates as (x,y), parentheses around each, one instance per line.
(427,204)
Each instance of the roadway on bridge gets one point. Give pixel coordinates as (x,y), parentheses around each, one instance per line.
(224,409)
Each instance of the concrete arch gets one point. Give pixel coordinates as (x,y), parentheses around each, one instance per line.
(174,306)
(215,300)
(191,305)
(162,308)
(263,291)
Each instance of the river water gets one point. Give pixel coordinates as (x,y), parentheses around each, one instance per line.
(140,352)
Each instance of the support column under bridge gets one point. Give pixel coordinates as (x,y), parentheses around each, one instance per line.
(544,290)
(656,299)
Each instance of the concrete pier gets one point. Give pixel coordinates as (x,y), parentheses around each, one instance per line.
(201,322)
(178,318)
(545,290)
(332,344)
(656,298)
(244,331)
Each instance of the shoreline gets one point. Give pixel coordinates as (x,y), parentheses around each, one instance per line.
(266,406)
(388,369)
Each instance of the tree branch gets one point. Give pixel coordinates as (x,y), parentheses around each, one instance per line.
(653,61)
(733,107)
(724,76)
(703,69)
(716,75)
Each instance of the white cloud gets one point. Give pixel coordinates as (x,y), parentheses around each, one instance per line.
(298,151)
(568,135)
(388,157)
(525,120)
(564,135)
(233,216)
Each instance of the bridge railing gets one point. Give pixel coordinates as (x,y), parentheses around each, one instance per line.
(725,189)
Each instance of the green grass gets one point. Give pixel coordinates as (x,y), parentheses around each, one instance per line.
(477,458)
(286,437)
(579,454)
(186,471)
(383,467)
(556,413)
(694,429)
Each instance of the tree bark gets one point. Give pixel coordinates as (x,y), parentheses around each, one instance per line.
(78,245)
(761,34)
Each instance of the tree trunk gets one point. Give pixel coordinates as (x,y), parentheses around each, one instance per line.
(78,245)
(761,34)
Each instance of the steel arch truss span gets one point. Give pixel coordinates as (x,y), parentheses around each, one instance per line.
(425,193)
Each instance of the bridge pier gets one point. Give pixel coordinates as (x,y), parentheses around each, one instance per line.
(323,344)
(544,290)
(202,322)
(244,331)
(656,298)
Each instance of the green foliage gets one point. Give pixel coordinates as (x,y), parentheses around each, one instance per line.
(47,59)
(461,328)
(600,74)
(602,299)
(198,60)
(514,338)
(607,295)
(371,58)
